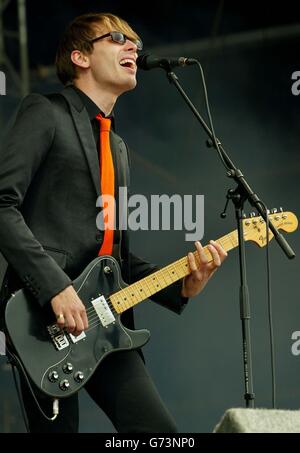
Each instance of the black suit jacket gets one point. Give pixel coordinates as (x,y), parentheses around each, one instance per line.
(49,184)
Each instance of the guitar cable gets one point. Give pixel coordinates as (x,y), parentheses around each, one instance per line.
(217,143)
(16,363)
(270,310)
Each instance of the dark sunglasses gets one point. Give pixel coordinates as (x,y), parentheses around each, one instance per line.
(119,38)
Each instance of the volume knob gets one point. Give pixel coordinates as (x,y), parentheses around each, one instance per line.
(79,376)
(53,376)
(68,368)
(64,385)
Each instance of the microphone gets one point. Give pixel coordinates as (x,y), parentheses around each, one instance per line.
(147,62)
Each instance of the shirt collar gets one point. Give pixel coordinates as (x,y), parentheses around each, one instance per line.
(91,108)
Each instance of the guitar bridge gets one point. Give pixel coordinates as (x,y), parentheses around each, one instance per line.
(103,311)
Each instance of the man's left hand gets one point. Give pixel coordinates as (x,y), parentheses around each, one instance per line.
(194,283)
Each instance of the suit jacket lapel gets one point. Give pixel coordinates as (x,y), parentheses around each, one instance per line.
(85,133)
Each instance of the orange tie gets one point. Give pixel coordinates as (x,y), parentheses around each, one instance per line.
(107,178)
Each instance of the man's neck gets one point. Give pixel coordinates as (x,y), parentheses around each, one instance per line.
(104,100)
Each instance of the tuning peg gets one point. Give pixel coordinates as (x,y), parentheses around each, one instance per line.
(252,214)
(280,209)
(274,211)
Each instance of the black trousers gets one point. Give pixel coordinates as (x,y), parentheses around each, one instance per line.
(122,388)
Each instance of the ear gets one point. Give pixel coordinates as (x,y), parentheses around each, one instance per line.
(79,59)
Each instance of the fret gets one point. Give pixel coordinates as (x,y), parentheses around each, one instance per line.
(124,299)
(134,296)
(163,282)
(166,276)
(117,303)
(229,241)
(232,241)
(174,271)
(128,299)
(182,267)
(155,281)
(222,242)
(146,288)
(170,275)
(149,292)
(141,293)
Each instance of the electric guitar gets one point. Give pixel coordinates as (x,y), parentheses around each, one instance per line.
(58,363)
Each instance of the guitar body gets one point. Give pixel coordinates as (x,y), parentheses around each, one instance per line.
(58,363)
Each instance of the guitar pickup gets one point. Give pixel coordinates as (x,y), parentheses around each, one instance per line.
(103,311)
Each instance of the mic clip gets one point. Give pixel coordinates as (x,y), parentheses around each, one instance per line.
(231,194)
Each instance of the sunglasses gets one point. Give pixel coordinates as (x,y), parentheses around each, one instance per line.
(119,38)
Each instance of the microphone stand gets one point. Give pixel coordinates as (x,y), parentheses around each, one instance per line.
(238,196)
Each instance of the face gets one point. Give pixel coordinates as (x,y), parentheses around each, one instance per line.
(113,65)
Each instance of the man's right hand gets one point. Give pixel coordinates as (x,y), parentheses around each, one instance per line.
(69,311)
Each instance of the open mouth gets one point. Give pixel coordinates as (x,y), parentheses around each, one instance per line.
(127,63)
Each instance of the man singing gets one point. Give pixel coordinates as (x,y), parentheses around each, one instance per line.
(54,166)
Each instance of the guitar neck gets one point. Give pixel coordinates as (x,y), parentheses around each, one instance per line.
(155,282)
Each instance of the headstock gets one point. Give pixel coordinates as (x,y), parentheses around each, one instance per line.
(255,226)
